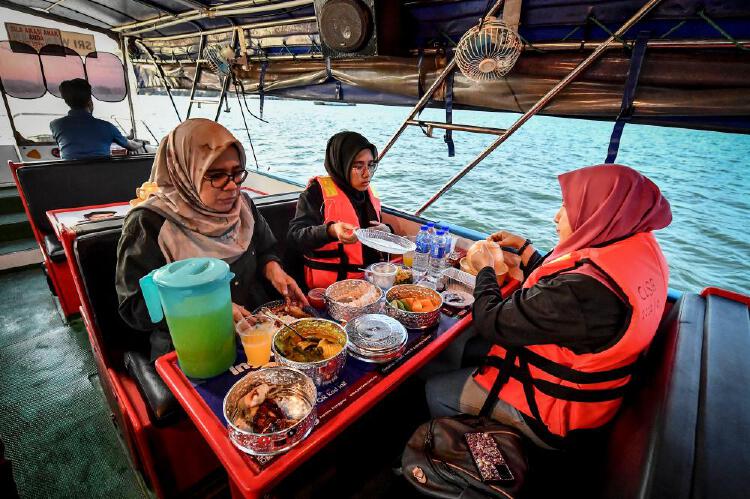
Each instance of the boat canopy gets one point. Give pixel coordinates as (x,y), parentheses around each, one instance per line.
(695,72)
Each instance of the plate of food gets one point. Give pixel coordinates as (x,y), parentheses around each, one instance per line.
(457,299)
(287,312)
(385,242)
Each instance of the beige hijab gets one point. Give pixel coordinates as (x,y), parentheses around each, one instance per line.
(191,228)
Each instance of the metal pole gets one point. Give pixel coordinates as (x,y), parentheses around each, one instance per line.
(428,94)
(125,59)
(542,102)
(457,127)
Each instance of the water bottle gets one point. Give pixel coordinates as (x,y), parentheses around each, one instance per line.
(439,255)
(431,228)
(422,252)
(448,239)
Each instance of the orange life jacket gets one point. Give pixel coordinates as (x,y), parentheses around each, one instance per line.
(336,261)
(558,390)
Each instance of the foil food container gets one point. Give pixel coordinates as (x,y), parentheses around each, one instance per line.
(376,338)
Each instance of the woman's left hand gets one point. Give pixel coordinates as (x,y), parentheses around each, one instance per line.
(374,224)
(284,284)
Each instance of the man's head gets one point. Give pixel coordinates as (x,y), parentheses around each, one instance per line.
(77,94)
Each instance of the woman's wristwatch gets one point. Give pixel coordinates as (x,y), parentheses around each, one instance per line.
(523,247)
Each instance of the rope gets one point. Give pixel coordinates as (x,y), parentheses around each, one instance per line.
(247,129)
(610,33)
(718,28)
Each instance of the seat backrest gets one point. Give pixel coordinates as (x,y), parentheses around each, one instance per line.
(652,440)
(278,210)
(96,258)
(50,185)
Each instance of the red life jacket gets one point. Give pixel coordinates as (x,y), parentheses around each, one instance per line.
(560,391)
(336,261)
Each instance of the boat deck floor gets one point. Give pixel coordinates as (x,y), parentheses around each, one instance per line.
(55,421)
(57,431)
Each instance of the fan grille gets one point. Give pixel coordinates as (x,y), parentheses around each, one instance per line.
(216,60)
(488,51)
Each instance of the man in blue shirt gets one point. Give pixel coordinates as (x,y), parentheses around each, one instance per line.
(79,135)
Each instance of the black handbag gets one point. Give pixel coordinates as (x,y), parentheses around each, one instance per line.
(438,463)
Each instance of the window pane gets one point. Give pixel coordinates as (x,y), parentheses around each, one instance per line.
(20,71)
(106,76)
(60,64)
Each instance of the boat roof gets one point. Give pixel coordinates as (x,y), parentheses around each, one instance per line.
(696,74)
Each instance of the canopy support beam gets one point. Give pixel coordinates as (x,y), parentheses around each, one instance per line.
(546,98)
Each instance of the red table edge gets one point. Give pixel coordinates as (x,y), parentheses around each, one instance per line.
(252,483)
(724,293)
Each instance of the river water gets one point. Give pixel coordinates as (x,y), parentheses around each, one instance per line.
(703,174)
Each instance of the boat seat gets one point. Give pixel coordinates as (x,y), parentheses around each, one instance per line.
(51,185)
(54,248)
(682,431)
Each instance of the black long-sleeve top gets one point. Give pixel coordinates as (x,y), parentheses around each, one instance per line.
(308,229)
(138,253)
(572,310)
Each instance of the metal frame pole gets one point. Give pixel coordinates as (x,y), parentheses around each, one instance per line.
(542,102)
(129,88)
(428,94)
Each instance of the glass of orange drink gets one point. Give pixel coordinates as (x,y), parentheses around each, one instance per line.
(256,337)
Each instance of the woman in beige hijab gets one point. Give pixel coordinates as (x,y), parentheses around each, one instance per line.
(199,211)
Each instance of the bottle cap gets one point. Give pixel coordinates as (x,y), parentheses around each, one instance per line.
(424,227)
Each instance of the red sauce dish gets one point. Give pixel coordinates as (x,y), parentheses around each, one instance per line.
(316,298)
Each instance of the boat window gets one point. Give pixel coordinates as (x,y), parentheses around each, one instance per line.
(20,71)
(106,76)
(59,64)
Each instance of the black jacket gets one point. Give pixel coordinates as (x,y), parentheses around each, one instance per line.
(138,253)
(571,310)
(308,229)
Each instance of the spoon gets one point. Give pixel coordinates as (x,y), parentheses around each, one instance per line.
(275,317)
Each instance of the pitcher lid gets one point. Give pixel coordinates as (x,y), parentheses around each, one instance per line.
(191,272)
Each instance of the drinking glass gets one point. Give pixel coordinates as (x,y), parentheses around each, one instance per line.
(256,341)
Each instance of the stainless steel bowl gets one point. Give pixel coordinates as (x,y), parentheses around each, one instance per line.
(322,372)
(268,444)
(413,320)
(343,311)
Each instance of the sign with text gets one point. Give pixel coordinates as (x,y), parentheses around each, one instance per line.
(34,36)
(82,43)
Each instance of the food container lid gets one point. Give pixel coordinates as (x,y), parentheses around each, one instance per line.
(372,335)
(385,242)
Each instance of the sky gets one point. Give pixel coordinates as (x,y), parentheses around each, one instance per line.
(51,106)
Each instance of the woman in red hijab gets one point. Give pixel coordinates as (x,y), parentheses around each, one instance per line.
(564,346)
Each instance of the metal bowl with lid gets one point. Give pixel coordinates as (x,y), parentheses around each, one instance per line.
(413,320)
(376,338)
(350,298)
(290,382)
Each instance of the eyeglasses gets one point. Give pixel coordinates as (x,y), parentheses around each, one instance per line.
(360,166)
(220,180)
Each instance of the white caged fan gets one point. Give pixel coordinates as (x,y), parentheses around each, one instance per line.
(219,58)
(488,51)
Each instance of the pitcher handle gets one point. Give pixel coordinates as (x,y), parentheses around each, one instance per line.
(151,297)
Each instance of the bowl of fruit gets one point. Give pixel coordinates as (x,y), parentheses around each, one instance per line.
(414,306)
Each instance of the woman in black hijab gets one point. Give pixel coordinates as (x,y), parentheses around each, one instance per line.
(331,207)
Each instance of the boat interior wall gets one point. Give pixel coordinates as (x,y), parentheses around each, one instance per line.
(8,154)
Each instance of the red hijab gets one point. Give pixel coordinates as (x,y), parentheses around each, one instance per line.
(607,203)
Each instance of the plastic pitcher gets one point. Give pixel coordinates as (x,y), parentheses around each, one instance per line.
(194,296)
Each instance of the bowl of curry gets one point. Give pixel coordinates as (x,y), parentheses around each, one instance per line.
(317,347)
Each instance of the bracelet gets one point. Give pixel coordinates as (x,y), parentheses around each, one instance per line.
(523,247)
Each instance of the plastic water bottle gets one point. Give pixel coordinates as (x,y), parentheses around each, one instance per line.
(439,255)
(422,253)
(448,238)
(431,228)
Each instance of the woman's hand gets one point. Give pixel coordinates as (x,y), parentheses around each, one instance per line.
(374,224)
(508,239)
(284,284)
(482,258)
(343,232)
(238,312)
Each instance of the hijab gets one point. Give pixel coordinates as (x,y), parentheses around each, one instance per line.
(606,203)
(341,150)
(191,228)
